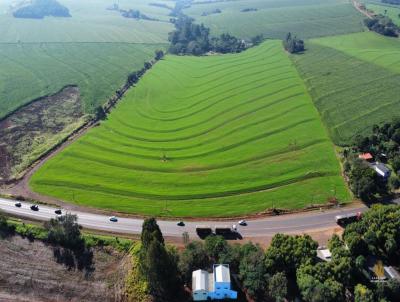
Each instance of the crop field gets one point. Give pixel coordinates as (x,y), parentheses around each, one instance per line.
(204,136)
(354,81)
(368,46)
(274,19)
(31,70)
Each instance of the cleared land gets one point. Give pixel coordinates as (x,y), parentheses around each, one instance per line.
(36,128)
(204,136)
(274,19)
(29,272)
(354,81)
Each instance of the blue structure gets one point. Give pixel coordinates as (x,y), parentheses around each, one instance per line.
(214,286)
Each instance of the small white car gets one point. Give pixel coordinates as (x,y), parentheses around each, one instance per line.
(234,227)
(242,222)
(113,219)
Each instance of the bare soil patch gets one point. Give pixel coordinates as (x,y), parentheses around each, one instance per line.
(29,272)
(37,127)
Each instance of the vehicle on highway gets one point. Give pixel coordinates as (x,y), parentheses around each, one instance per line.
(242,222)
(234,228)
(113,219)
(34,207)
(203,230)
(348,218)
(18,204)
(223,230)
(58,212)
(180,223)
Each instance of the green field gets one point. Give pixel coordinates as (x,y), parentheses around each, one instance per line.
(354,81)
(204,136)
(392,11)
(274,19)
(95,49)
(90,22)
(31,70)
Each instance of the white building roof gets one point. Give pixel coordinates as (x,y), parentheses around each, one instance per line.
(200,280)
(222,273)
(392,273)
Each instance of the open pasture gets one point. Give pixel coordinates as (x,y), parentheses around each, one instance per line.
(204,136)
(354,81)
(274,19)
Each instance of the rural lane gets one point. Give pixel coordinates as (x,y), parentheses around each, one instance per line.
(266,226)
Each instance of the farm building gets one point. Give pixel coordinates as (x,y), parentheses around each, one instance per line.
(366,156)
(381,169)
(213,286)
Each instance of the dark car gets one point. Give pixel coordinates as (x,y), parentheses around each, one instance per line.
(34,207)
(18,204)
(58,212)
(180,223)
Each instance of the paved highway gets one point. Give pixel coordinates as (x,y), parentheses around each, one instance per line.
(267,226)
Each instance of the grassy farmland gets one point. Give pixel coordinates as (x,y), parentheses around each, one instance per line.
(273,19)
(204,136)
(95,49)
(353,80)
(31,70)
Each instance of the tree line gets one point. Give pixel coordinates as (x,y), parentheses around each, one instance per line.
(288,269)
(194,39)
(38,9)
(382,25)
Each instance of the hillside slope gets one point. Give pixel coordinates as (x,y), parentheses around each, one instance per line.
(204,136)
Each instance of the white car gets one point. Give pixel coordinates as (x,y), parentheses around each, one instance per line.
(242,222)
(234,227)
(113,219)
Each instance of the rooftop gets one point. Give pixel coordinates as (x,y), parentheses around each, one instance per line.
(222,273)
(366,156)
(199,280)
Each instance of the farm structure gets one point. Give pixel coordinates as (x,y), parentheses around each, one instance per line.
(213,286)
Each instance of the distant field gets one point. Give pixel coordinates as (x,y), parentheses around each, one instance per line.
(368,46)
(392,12)
(90,22)
(31,70)
(274,19)
(354,80)
(204,136)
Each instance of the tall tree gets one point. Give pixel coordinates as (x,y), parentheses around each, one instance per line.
(150,231)
(286,253)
